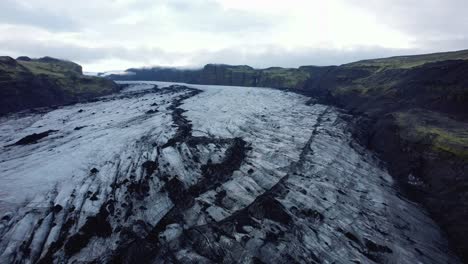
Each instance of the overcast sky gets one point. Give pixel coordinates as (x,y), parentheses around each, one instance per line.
(118,34)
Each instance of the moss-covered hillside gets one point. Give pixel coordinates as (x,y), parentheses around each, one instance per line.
(407,62)
(440,133)
(28,83)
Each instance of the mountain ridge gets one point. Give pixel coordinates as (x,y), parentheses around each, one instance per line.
(279,78)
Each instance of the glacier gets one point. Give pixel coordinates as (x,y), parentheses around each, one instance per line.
(179,173)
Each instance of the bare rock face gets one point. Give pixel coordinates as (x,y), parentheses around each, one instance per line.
(215,175)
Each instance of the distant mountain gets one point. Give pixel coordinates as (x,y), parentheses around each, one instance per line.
(28,83)
(221,74)
(275,77)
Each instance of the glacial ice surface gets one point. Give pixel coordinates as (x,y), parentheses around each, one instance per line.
(201,174)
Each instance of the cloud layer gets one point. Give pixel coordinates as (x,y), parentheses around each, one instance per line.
(117,34)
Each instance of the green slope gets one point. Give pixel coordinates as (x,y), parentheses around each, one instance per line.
(405,62)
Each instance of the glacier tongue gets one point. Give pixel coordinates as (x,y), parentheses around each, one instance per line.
(203,174)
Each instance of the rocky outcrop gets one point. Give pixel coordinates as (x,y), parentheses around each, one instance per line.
(28,83)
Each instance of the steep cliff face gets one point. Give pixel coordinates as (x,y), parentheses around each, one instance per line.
(27,83)
(228,75)
(413,112)
(439,86)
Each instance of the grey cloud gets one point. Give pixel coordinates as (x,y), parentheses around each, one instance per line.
(204,16)
(83,54)
(455,43)
(210,16)
(275,56)
(35,48)
(15,12)
(441,22)
(436,25)
(271,56)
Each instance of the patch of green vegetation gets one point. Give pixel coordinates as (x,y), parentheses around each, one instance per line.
(38,68)
(56,68)
(354,89)
(248,76)
(241,69)
(68,76)
(9,68)
(406,62)
(92,85)
(442,133)
(449,141)
(84,85)
(289,78)
(363,89)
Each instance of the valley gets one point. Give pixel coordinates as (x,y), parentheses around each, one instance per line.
(176,173)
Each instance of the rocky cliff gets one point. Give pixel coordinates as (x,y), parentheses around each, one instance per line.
(412,111)
(29,83)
